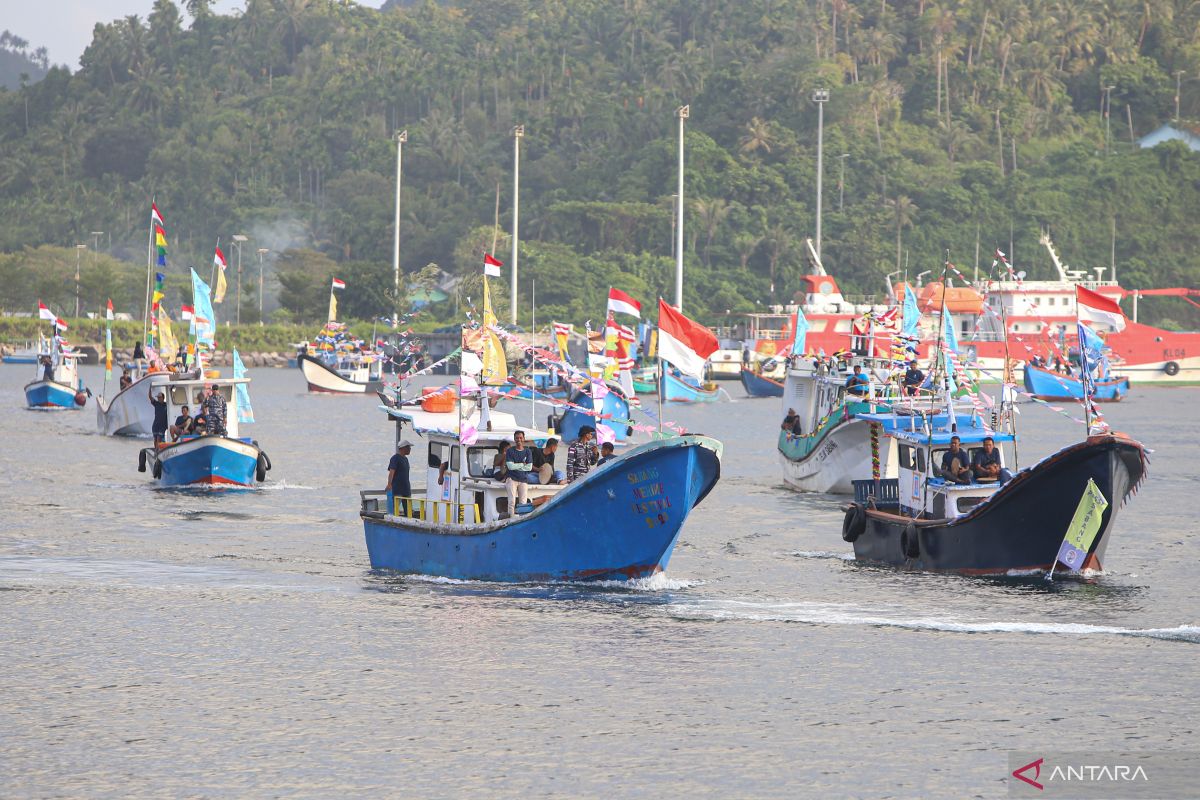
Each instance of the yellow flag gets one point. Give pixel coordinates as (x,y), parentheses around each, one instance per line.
(495,367)
(168,345)
(219,295)
(332,307)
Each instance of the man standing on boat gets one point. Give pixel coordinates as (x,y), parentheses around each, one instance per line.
(582,454)
(398,484)
(518,461)
(214,411)
(159,428)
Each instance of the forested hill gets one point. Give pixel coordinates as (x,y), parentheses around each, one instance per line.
(18,64)
(954,123)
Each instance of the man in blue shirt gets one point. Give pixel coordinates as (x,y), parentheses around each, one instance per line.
(954,463)
(518,460)
(986,463)
(913,378)
(398,484)
(858,382)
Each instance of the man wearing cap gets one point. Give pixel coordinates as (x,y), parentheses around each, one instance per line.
(214,411)
(581,455)
(398,485)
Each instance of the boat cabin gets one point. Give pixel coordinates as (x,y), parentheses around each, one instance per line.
(186,390)
(58,365)
(458,484)
(921,489)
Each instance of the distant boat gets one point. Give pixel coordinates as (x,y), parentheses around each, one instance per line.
(677,389)
(921,521)
(58,385)
(614,412)
(129,412)
(346,375)
(1046,384)
(620,521)
(645,380)
(757,385)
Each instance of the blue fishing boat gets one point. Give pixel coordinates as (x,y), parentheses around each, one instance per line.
(757,385)
(682,389)
(614,412)
(620,521)
(58,385)
(1046,384)
(204,458)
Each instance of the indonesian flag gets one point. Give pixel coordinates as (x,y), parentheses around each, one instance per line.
(1095,307)
(337,284)
(186,313)
(491,265)
(108,313)
(45,313)
(619,301)
(62,326)
(155,217)
(683,342)
(222,286)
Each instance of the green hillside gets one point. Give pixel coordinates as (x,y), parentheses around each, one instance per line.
(956,124)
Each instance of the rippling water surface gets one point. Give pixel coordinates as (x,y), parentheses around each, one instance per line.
(236,644)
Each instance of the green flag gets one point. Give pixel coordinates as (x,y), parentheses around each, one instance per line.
(1084,527)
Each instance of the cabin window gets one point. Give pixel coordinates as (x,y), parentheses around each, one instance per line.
(920,459)
(965,504)
(906,456)
(454,458)
(480,461)
(179,396)
(439,453)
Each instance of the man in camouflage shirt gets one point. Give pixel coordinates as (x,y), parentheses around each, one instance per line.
(582,454)
(215,410)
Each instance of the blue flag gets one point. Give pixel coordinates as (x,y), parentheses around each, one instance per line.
(912,315)
(948,334)
(204,320)
(801,332)
(245,413)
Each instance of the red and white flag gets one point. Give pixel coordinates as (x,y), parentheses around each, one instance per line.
(219,259)
(491,265)
(62,326)
(685,343)
(186,313)
(155,217)
(108,312)
(1095,307)
(337,285)
(619,301)
(45,313)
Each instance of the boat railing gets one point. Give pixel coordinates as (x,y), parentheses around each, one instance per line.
(374,501)
(883,492)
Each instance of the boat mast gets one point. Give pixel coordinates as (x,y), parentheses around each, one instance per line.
(683,112)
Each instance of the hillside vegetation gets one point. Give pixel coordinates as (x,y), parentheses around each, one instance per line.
(956,124)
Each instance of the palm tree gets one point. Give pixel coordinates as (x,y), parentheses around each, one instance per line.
(758,136)
(906,212)
(779,242)
(745,244)
(710,214)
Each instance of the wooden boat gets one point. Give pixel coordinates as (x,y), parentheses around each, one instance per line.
(58,385)
(677,389)
(343,375)
(921,521)
(757,385)
(620,521)
(228,460)
(614,412)
(129,412)
(645,380)
(1046,384)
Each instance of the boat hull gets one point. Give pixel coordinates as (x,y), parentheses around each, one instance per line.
(51,395)
(130,412)
(833,461)
(677,390)
(614,412)
(321,378)
(1022,526)
(619,522)
(1046,384)
(205,460)
(760,386)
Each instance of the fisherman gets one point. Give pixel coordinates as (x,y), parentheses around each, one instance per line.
(499,472)
(183,424)
(518,461)
(126,380)
(791,423)
(398,485)
(47,368)
(214,410)
(159,429)
(543,462)
(954,463)
(606,453)
(858,382)
(139,355)
(582,454)
(986,463)
(913,378)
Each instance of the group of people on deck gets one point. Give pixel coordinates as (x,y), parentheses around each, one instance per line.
(859,384)
(519,466)
(210,416)
(984,465)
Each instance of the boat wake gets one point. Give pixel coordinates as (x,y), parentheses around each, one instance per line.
(822,554)
(284,485)
(837,614)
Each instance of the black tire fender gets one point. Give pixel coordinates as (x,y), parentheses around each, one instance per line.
(157,469)
(260,470)
(854,523)
(1171,368)
(910,541)
(141,461)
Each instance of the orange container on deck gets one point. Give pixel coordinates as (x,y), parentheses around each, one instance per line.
(437,400)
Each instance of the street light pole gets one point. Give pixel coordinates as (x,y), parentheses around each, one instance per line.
(262,251)
(1178,79)
(842,180)
(1107,109)
(683,112)
(517,132)
(401,138)
(79,248)
(820,97)
(238,238)
(96,245)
